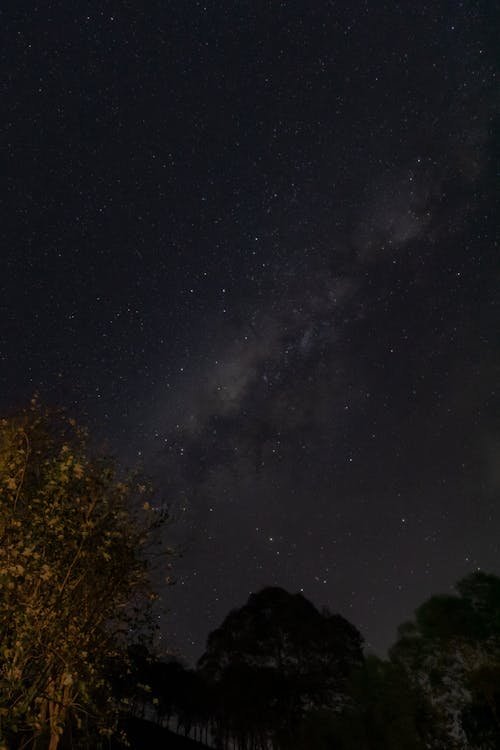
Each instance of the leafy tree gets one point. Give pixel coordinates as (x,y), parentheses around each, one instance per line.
(385,713)
(251,704)
(73,577)
(275,659)
(452,649)
(166,691)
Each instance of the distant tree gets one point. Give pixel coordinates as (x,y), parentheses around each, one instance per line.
(275,659)
(164,691)
(167,681)
(73,578)
(385,713)
(251,704)
(452,649)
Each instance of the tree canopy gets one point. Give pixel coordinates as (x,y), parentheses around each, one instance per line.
(73,577)
(452,650)
(276,658)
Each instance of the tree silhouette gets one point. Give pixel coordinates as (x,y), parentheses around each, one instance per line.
(452,649)
(385,713)
(275,659)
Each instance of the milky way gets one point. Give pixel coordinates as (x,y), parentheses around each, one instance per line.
(255,247)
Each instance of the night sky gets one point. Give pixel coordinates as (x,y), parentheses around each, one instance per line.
(254,246)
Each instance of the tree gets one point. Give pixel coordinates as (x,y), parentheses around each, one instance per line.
(385,713)
(452,650)
(275,659)
(73,577)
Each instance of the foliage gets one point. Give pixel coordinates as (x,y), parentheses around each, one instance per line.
(280,674)
(174,695)
(285,631)
(385,713)
(73,574)
(274,660)
(452,649)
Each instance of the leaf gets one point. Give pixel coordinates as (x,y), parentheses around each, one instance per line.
(78,471)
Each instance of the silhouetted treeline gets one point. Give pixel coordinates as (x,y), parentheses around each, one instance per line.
(279,674)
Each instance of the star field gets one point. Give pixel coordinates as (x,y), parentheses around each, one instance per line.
(255,247)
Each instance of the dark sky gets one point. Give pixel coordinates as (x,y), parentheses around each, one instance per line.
(256,244)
